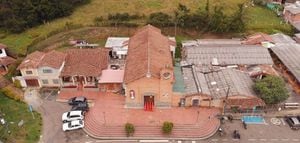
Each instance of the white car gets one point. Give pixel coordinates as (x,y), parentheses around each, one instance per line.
(72,115)
(73,125)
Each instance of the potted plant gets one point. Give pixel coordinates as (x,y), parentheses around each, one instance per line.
(129,128)
(167,127)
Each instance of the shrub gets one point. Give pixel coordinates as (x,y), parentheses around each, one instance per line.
(129,128)
(167,127)
(160,19)
(17,84)
(9,93)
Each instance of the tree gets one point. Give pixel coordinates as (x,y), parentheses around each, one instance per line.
(218,21)
(19,15)
(181,15)
(237,23)
(160,19)
(271,89)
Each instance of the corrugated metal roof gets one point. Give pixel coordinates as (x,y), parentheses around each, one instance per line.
(289,55)
(227,54)
(282,38)
(216,83)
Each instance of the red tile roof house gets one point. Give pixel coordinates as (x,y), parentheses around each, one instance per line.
(41,69)
(291,14)
(5,60)
(83,68)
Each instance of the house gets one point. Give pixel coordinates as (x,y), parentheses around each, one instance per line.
(83,68)
(5,60)
(148,77)
(291,14)
(111,80)
(41,69)
(287,55)
(212,87)
(224,53)
(280,38)
(119,46)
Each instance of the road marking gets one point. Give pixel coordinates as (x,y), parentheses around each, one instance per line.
(154,141)
(263,139)
(193,141)
(214,140)
(179,142)
(295,140)
(285,139)
(251,139)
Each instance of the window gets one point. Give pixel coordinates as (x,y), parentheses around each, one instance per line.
(44,81)
(28,72)
(47,71)
(55,81)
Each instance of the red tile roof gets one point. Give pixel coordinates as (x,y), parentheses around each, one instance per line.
(37,59)
(7,61)
(148,53)
(257,39)
(2,46)
(32,60)
(53,59)
(86,62)
(247,103)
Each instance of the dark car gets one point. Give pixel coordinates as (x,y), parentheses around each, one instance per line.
(81,106)
(293,122)
(77,100)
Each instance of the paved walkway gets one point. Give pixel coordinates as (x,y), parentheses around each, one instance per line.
(90,95)
(107,118)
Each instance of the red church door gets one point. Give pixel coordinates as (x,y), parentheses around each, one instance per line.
(148,103)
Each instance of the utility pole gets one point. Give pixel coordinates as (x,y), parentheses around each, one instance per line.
(225,101)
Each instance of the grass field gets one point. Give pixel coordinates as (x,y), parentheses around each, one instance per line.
(14,112)
(259,19)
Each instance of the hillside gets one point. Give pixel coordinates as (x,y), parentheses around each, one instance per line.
(259,19)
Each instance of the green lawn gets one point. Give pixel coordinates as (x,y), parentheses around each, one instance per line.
(258,19)
(14,112)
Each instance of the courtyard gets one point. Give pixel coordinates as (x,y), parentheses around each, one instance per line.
(106,119)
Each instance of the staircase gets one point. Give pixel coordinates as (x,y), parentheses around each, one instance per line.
(96,128)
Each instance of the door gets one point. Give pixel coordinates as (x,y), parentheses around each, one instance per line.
(195,102)
(148,103)
(32,82)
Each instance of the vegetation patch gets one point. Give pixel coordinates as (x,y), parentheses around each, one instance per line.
(129,128)
(271,89)
(167,127)
(14,112)
(95,13)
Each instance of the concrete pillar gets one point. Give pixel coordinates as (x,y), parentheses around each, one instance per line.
(85,81)
(73,80)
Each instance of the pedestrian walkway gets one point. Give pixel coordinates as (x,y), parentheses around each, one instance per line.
(107,118)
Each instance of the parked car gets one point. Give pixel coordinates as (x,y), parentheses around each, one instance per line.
(77,100)
(293,121)
(81,106)
(73,125)
(72,115)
